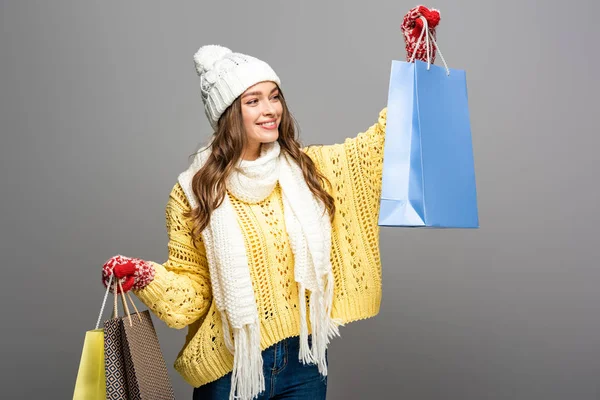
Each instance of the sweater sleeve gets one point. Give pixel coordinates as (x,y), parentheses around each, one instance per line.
(180,293)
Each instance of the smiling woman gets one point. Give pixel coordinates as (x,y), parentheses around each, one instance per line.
(271,246)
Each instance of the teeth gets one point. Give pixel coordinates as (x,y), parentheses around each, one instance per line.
(268,124)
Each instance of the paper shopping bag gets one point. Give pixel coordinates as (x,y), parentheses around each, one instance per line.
(134,364)
(91,383)
(147,375)
(428,165)
(116,377)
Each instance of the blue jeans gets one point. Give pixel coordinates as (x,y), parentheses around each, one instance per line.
(285,377)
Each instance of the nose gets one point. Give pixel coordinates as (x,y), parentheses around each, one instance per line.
(269,109)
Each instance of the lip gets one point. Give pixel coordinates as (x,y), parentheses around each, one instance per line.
(268,127)
(266,122)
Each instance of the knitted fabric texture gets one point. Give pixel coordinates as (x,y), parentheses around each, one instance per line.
(181,293)
(309,231)
(132,272)
(224,75)
(411,27)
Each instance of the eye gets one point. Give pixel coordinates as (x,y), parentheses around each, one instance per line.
(253,101)
(276,97)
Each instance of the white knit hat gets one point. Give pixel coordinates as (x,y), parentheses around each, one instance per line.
(225,75)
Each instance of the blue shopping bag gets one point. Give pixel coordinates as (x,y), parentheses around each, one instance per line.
(428,167)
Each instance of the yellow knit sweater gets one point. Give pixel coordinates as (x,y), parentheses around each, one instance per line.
(180,293)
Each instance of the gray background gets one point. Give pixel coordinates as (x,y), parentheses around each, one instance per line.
(100,109)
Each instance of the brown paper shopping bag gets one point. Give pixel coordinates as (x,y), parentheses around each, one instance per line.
(134,364)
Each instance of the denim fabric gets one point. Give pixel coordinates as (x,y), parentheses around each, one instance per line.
(285,377)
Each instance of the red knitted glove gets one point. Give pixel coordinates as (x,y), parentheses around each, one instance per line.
(411,27)
(132,272)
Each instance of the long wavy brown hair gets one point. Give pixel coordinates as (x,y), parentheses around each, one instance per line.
(208,184)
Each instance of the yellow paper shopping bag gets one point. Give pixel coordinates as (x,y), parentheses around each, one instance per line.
(91,379)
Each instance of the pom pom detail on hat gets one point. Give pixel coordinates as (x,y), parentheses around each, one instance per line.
(225,75)
(206,57)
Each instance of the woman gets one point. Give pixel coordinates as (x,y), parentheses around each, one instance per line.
(271,246)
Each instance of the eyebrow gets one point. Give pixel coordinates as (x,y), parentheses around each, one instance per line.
(257,93)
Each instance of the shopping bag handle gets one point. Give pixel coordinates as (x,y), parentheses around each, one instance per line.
(124,301)
(428,36)
(115,305)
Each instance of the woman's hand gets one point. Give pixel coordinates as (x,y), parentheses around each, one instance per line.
(133,273)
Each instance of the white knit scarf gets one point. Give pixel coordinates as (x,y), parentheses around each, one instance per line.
(309,230)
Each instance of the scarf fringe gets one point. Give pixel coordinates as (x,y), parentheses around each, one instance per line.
(247,379)
(305,354)
(227,332)
(323,327)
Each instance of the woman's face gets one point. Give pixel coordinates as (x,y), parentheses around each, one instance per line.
(261,113)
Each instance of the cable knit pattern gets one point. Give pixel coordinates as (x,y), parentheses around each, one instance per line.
(180,293)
